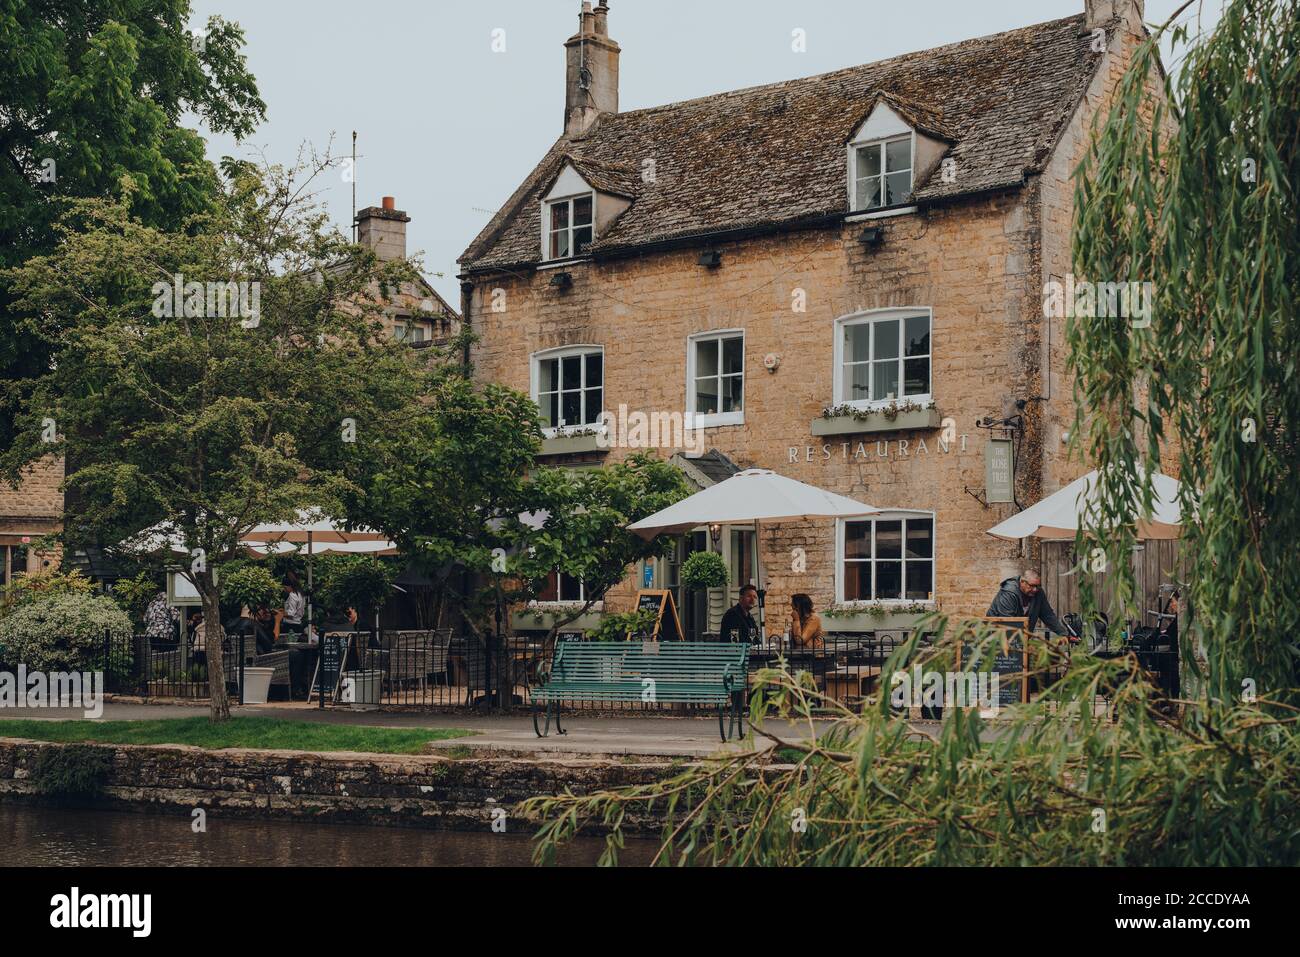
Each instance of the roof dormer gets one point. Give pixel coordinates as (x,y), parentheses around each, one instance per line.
(584,198)
(894,149)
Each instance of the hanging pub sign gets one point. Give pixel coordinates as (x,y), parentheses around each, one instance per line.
(999,471)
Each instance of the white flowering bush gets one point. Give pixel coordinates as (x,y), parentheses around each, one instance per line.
(66,632)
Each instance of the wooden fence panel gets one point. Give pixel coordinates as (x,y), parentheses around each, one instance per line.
(1156,564)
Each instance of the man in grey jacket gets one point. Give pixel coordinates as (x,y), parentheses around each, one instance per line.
(1023,598)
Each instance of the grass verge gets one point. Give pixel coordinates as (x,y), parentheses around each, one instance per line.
(261,733)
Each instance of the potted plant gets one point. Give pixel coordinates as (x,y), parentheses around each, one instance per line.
(361,582)
(250,585)
(705,570)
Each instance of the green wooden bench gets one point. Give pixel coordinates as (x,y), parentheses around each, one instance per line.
(661,672)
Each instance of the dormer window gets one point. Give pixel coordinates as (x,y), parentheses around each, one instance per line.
(888,156)
(569,226)
(882,173)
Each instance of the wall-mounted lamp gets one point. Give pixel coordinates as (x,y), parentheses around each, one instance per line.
(872,236)
(711,258)
(562,280)
(715,533)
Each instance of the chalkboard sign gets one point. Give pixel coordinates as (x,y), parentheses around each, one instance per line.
(667,625)
(1005,655)
(333,657)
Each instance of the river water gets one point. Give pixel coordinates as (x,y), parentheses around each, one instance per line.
(46,836)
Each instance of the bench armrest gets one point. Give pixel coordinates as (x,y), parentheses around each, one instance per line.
(728,679)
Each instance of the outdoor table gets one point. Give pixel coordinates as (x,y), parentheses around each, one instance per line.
(844,683)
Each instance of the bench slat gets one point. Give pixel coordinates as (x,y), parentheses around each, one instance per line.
(684,672)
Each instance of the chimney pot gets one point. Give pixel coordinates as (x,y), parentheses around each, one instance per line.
(389,202)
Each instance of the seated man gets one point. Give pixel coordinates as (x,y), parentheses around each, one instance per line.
(1023,598)
(260,627)
(738,624)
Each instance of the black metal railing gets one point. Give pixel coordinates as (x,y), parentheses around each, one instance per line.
(438,669)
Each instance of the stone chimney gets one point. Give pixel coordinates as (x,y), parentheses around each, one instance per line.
(591,80)
(1099,13)
(383,229)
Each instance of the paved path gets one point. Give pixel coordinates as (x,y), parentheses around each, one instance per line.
(592,736)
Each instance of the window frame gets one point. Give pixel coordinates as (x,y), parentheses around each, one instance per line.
(548,232)
(543,604)
(870,317)
(903,515)
(880,143)
(707,420)
(559,354)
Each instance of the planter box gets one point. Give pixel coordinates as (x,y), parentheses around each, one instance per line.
(865,621)
(528,621)
(910,421)
(572,445)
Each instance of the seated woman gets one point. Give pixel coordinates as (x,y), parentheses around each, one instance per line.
(805,626)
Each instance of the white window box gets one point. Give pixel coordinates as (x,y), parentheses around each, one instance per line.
(877,420)
(572,444)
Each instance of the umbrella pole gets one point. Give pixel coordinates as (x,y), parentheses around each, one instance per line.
(310,620)
(762,592)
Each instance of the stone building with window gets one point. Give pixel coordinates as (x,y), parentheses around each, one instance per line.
(840,278)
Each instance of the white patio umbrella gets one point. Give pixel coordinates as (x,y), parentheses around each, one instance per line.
(383,547)
(1058,515)
(310,527)
(752,496)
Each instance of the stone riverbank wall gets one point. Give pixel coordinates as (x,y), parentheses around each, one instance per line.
(431,791)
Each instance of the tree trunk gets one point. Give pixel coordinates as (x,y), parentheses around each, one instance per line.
(212,635)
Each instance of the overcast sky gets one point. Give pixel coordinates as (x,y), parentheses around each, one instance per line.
(450,128)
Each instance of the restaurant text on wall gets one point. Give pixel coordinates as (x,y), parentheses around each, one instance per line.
(876,449)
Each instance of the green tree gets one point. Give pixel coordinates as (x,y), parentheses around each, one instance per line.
(1207,213)
(92,92)
(448,488)
(583,532)
(176,411)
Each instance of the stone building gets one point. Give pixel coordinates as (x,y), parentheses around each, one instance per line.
(840,278)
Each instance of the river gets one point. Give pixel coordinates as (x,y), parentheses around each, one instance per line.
(47,836)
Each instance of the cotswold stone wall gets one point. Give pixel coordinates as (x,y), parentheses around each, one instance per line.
(36,505)
(973,264)
(410,791)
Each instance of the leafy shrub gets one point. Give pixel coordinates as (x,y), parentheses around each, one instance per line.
(617,627)
(28,588)
(704,570)
(363,582)
(251,585)
(134,594)
(66,632)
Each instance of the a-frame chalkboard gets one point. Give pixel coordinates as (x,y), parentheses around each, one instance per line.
(1007,656)
(668,627)
(330,663)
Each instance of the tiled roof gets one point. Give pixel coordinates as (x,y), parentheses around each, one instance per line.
(605,177)
(774,154)
(707,470)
